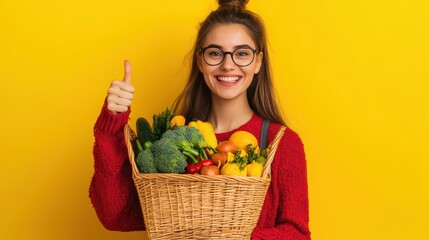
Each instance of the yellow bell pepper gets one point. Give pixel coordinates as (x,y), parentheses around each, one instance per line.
(207,131)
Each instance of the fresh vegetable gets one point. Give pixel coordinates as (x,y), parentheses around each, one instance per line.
(195,137)
(226,146)
(169,146)
(206,130)
(210,170)
(252,153)
(193,168)
(206,162)
(240,158)
(219,158)
(175,146)
(147,133)
(177,137)
(233,169)
(168,158)
(144,131)
(146,162)
(242,139)
(255,169)
(178,120)
(187,139)
(196,167)
(230,157)
(262,160)
(161,123)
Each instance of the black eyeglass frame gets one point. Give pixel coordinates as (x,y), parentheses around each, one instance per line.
(202,50)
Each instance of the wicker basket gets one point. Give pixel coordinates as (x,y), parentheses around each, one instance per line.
(185,206)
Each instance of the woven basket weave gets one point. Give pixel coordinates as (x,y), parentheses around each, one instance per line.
(186,206)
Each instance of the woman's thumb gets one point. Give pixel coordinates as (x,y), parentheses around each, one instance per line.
(127,71)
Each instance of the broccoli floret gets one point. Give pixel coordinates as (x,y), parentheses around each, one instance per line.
(183,133)
(194,136)
(182,138)
(175,147)
(168,157)
(176,136)
(145,162)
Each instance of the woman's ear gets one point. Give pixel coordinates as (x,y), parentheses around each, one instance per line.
(258,61)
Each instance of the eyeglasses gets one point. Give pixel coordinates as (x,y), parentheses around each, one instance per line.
(242,57)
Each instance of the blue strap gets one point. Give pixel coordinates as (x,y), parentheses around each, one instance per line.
(264,134)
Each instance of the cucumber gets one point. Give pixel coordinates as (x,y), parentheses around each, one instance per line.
(144,131)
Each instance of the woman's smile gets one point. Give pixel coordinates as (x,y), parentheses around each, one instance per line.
(228,79)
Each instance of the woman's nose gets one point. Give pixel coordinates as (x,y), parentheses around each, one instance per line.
(228,63)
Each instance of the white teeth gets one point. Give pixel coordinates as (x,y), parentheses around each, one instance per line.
(228,79)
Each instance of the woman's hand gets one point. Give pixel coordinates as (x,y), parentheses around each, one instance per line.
(120,93)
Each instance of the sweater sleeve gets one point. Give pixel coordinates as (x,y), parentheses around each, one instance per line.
(288,194)
(112,190)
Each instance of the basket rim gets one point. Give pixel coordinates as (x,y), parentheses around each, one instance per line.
(200,178)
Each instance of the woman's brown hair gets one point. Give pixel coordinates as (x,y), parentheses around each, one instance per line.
(195,100)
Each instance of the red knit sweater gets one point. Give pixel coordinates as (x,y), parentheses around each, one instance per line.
(113,195)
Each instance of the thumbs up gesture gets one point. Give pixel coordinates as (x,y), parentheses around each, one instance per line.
(121,93)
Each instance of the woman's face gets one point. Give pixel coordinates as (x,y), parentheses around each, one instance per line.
(228,80)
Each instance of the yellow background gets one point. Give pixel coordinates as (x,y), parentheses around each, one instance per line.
(352,78)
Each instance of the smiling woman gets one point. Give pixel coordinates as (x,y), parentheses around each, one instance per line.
(233,93)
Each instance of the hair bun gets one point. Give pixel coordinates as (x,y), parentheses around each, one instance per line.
(233,3)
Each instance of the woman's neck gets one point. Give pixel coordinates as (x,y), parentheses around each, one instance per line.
(227,115)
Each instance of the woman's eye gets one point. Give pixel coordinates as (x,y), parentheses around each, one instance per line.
(242,53)
(214,53)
